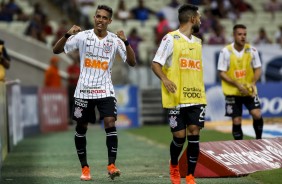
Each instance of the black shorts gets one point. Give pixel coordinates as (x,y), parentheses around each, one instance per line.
(84,109)
(234,104)
(180,118)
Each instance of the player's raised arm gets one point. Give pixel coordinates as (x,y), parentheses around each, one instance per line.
(59,46)
(130,53)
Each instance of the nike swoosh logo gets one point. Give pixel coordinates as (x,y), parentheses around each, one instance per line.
(191,48)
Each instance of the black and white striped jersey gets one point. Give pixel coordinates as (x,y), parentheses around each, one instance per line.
(96,61)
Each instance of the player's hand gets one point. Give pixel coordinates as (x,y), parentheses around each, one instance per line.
(243,90)
(74,29)
(169,85)
(121,35)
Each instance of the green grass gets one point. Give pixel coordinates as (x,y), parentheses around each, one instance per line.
(161,135)
(142,157)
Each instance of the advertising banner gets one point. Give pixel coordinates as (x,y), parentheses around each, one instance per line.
(30,114)
(14,114)
(3,121)
(127,106)
(53,109)
(270,98)
(236,158)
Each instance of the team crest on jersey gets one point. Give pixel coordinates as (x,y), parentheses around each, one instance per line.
(172,122)
(107,47)
(78,112)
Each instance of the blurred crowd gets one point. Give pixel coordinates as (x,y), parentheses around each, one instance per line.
(211,32)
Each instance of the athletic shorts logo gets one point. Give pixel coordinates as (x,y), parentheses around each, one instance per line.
(229,109)
(78,112)
(172,122)
(174,112)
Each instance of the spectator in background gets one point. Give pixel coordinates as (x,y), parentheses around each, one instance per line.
(170,13)
(134,40)
(278,36)
(162,27)
(35,28)
(240,6)
(218,36)
(4,61)
(52,76)
(273,6)
(62,29)
(73,71)
(46,26)
(85,8)
(141,12)
(262,37)
(122,13)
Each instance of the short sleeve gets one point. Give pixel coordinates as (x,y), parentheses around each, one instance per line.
(165,50)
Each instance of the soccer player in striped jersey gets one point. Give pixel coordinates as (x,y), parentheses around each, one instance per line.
(97,48)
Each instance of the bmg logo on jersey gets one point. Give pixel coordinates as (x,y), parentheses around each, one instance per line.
(97,64)
(190,64)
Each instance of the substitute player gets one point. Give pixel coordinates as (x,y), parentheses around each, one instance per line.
(97,48)
(239,68)
(178,64)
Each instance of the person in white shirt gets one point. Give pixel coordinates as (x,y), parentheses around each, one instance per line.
(97,48)
(239,68)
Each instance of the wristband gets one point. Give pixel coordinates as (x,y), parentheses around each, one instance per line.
(126,43)
(67,35)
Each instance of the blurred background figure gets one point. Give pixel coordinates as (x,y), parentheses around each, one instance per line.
(52,76)
(162,27)
(134,39)
(273,6)
(170,12)
(278,36)
(122,13)
(86,8)
(73,71)
(141,12)
(62,29)
(262,37)
(4,61)
(218,36)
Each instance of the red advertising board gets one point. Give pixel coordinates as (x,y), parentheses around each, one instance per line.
(53,109)
(235,158)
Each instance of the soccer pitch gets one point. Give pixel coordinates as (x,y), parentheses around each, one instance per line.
(142,158)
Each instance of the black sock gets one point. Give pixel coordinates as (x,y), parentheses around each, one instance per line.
(80,144)
(193,150)
(258,126)
(237,132)
(112,144)
(176,146)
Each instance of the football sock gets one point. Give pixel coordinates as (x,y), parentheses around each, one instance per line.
(193,150)
(80,144)
(258,126)
(176,146)
(112,144)
(237,132)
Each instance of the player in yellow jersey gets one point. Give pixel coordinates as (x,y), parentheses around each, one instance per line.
(239,68)
(178,64)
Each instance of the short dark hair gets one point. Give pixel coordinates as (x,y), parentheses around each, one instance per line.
(237,26)
(186,11)
(107,8)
